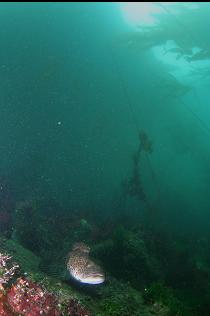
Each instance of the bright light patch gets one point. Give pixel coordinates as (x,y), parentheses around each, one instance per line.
(138,13)
(146,13)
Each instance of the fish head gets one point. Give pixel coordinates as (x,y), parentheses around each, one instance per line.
(88,273)
(93,274)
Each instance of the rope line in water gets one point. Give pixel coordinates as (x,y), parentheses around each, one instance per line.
(124,89)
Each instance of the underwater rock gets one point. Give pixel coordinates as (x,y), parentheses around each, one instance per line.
(163,301)
(34,294)
(53,297)
(129,256)
(6,206)
(27,259)
(159,309)
(81,268)
(74,309)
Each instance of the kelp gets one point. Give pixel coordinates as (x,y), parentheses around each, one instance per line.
(178,23)
(133,186)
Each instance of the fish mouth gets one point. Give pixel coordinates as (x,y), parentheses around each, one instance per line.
(93,279)
(89,279)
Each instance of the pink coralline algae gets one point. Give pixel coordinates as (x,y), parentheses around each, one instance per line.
(29,299)
(21,296)
(7,269)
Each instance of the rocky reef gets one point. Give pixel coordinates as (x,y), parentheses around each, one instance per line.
(30,294)
(33,293)
(146,272)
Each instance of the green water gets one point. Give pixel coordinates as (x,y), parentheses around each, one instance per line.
(79,83)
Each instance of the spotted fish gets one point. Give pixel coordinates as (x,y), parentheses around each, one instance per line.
(81,268)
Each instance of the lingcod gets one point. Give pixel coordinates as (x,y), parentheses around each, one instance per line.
(81,267)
